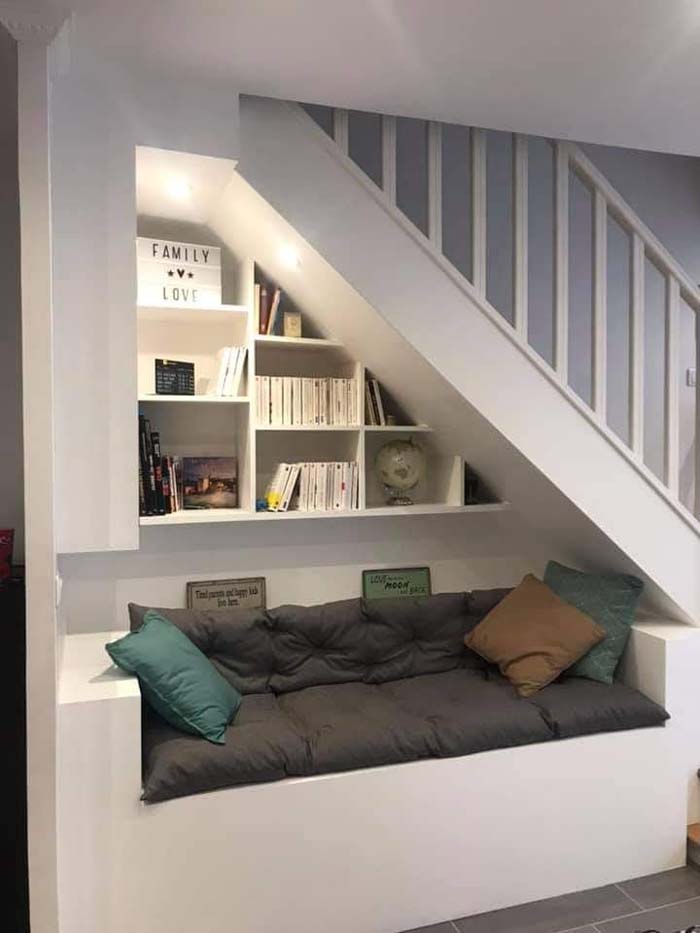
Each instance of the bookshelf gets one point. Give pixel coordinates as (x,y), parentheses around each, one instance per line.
(205,424)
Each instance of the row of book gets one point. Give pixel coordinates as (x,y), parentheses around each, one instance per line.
(300,400)
(168,484)
(267,306)
(314,487)
(374,405)
(230,373)
(160,478)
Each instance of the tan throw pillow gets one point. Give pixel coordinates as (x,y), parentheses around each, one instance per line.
(533,635)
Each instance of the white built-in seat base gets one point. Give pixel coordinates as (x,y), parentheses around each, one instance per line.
(372,851)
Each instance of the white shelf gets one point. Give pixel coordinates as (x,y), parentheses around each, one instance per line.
(197,399)
(401,428)
(241,515)
(437,508)
(191,314)
(320,343)
(198,517)
(308,427)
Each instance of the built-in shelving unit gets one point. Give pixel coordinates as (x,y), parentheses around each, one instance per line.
(205,424)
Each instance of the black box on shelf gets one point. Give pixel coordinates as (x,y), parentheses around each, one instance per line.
(174,377)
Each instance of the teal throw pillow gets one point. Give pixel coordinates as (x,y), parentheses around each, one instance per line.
(610,599)
(176,678)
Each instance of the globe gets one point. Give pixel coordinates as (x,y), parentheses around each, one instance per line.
(400,466)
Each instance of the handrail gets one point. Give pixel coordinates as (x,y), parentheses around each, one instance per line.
(629,219)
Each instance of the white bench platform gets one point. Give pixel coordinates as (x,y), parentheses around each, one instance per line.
(373,851)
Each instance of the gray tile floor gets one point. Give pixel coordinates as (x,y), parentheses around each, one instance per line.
(666,902)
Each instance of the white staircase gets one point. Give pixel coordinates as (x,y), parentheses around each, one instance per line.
(603,489)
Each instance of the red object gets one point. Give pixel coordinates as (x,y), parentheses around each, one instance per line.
(6,540)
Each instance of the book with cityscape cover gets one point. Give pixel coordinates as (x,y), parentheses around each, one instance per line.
(210,482)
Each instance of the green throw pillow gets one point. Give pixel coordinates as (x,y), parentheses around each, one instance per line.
(176,679)
(610,599)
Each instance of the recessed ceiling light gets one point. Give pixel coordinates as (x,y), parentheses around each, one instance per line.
(179,189)
(289,256)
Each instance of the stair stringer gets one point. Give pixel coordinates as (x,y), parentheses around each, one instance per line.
(323,199)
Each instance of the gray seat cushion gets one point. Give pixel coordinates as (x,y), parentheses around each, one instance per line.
(261,745)
(469,712)
(342,727)
(577,706)
(349,726)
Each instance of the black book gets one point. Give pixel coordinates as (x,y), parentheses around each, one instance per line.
(152,495)
(158,471)
(165,479)
(147,477)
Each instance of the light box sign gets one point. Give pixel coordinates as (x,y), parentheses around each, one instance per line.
(174,273)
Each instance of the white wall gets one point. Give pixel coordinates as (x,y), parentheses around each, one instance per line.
(99,116)
(303,562)
(11,474)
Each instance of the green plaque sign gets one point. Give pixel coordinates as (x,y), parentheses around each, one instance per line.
(406,581)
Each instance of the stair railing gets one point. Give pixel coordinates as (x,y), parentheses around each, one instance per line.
(644,245)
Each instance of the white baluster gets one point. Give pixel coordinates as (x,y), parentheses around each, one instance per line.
(389,157)
(478,138)
(636,373)
(520,234)
(672,411)
(600,303)
(340,129)
(435,185)
(561,261)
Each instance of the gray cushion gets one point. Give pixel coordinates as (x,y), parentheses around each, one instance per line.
(469,712)
(263,744)
(238,642)
(351,640)
(371,641)
(577,706)
(349,726)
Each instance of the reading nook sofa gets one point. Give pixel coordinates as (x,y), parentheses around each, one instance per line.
(498,800)
(355,684)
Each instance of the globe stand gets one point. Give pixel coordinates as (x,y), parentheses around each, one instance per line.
(400,466)
(396,496)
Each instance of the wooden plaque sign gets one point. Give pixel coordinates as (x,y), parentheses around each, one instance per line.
(247,593)
(407,581)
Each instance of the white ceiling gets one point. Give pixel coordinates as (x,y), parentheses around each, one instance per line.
(612,71)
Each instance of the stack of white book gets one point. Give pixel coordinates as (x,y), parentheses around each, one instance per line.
(298,400)
(314,487)
(231,362)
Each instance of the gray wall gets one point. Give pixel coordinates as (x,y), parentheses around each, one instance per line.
(11,480)
(663,189)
